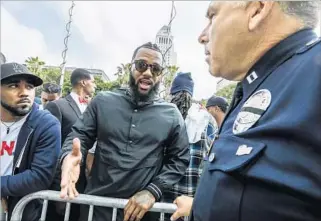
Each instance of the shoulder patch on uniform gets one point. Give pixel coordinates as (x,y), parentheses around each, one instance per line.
(252,111)
(252,77)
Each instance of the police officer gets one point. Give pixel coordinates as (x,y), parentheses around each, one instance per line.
(265,164)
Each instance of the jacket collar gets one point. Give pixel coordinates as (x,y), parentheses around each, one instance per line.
(277,55)
(25,132)
(73,105)
(129,93)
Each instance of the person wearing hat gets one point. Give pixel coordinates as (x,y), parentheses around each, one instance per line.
(198,121)
(217,107)
(30,141)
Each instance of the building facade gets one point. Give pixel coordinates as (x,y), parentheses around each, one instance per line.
(164,40)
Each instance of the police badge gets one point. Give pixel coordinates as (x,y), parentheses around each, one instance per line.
(252,111)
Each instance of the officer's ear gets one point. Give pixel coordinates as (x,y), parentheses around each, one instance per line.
(258,11)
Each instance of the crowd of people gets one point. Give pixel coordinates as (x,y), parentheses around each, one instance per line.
(255,159)
(159,154)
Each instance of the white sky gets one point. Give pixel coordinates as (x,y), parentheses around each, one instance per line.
(113,30)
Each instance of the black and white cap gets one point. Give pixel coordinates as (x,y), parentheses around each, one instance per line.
(14,69)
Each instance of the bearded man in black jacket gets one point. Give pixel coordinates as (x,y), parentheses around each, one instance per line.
(142,144)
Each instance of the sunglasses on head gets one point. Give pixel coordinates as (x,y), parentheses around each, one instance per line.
(142,66)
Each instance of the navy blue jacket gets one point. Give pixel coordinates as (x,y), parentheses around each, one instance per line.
(39,143)
(265,164)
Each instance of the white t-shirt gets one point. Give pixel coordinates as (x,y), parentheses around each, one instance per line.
(196,121)
(93,149)
(8,144)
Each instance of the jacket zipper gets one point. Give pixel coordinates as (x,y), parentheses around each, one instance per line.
(21,153)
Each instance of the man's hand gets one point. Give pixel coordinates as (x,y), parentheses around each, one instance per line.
(184,207)
(138,205)
(89,163)
(4,204)
(70,171)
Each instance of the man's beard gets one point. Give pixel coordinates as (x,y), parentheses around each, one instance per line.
(16,111)
(138,96)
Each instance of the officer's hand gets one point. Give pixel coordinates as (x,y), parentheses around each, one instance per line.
(184,207)
(138,205)
(70,171)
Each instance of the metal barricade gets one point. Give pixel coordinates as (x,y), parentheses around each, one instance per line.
(89,200)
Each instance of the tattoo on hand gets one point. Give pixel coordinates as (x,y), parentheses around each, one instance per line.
(144,197)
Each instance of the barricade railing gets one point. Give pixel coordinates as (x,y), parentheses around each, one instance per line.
(91,201)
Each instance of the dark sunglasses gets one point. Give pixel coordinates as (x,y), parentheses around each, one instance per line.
(142,66)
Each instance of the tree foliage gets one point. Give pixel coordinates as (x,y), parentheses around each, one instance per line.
(34,64)
(227,92)
(123,73)
(66,87)
(169,75)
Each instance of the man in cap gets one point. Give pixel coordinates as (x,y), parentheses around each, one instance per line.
(30,140)
(265,162)
(217,107)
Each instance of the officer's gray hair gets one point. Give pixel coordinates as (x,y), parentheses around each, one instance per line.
(307,11)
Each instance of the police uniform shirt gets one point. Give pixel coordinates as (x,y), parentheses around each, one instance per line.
(265,164)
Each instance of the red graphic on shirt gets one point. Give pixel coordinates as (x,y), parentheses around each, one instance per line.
(6,147)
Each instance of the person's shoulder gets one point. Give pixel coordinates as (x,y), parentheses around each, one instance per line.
(308,59)
(60,102)
(107,95)
(165,104)
(43,119)
(311,51)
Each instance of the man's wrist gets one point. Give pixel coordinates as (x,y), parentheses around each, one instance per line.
(63,157)
(155,190)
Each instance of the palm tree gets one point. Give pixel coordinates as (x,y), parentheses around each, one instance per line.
(34,64)
(123,72)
